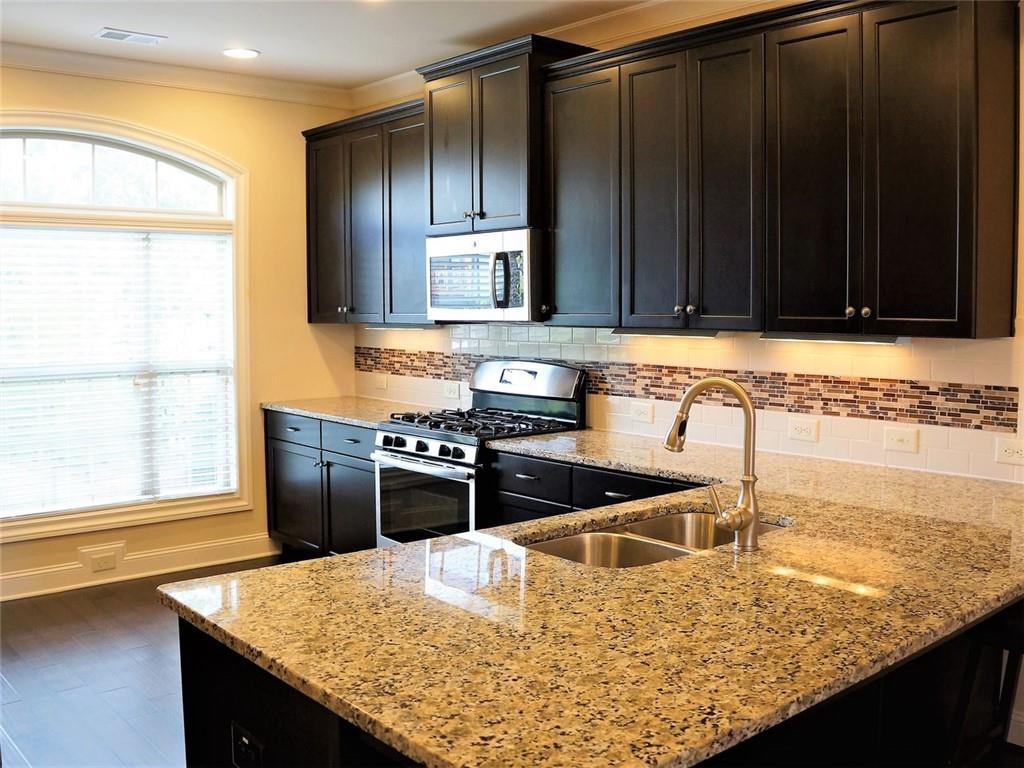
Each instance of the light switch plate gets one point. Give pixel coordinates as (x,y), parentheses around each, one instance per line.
(451,389)
(901,439)
(1010,451)
(643,412)
(380,381)
(803,429)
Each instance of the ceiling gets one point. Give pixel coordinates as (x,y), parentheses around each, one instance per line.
(343,44)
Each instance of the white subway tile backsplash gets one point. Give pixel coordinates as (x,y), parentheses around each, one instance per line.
(498,332)
(539,333)
(942,460)
(595,352)
(508,349)
(572,351)
(479,332)
(604,336)
(560,335)
(529,349)
(584,335)
(488,347)
(549,350)
(519,333)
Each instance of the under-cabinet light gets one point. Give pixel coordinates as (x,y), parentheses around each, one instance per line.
(832,338)
(673,333)
(400,327)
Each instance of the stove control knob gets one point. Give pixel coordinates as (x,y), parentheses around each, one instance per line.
(444,450)
(387,441)
(458,453)
(421,447)
(399,442)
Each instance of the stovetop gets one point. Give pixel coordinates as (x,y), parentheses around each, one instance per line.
(476,423)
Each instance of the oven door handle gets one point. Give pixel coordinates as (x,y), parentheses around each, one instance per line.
(423,468)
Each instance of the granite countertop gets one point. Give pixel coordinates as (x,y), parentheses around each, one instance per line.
(472,650)
(358,411)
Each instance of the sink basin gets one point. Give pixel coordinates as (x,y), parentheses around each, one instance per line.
(693,530)
(608,550)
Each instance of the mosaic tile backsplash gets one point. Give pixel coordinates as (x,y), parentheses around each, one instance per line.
(985,407)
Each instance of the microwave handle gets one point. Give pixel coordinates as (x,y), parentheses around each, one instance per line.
(506,287)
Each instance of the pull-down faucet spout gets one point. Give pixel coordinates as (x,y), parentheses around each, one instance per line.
(742,518)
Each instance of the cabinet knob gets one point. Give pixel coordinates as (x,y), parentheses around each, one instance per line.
(545,309)
(865,312)
(344,310)
(478,214)
(340,310)
(677,309)
(690,309)
(467,214)
(850,311)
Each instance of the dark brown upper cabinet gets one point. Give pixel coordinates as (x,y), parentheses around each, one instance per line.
(654,193)
(483,136)
(814,172)
(725,96)
(940,133)
(363,253)
(325,265)
(582,128)
(405,267)
(365,226)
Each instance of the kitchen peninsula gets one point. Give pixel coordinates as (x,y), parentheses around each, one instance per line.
(474,650)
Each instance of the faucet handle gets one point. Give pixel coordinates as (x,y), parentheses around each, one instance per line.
(716,503)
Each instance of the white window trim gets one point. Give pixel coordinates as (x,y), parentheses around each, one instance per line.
(47,525)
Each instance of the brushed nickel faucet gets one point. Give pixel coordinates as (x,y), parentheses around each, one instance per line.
(742,518)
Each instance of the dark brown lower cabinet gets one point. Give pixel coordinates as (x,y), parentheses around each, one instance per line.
(349,498)
(320,501)
(294,491)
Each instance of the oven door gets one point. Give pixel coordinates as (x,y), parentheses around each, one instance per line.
(419,499)
(479,277)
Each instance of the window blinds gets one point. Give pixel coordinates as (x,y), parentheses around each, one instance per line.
(116,368)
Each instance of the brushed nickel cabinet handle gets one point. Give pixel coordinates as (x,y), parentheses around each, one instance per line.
(525,477)
(690,309)
(351,440)
(291,429)
(616,495)
(678,309)
(865,312)
(850,311)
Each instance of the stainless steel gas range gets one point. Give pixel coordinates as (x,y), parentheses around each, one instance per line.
(429,466)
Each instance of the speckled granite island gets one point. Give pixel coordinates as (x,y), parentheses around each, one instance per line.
(475,651)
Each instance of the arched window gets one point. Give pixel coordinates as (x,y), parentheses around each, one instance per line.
(117,326)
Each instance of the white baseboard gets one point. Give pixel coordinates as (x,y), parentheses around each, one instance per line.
(74,575)
(1016,734)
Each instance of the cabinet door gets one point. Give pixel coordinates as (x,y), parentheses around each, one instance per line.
(449,147)
(294,511)
(512,508)
(813,108)
(364,220)
(725,94)
(501,133)
(582,115)
(350,498)
(325,205)
(405,266)
(919,159)
(654,192)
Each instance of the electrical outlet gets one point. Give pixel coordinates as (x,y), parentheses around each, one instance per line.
(1009,451)
(451,389)
(380,381)
(900,439)
(642,411)
(803,429)
(105,561)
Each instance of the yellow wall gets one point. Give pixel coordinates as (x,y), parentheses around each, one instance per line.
(288,357)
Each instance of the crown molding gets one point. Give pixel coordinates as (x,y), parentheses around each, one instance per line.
(40,59)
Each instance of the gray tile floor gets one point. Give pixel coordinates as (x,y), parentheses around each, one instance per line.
(91,677)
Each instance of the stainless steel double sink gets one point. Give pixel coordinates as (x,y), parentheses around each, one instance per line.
(643,542)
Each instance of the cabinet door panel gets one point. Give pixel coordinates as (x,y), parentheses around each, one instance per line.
(325,193)
(582,115)
(654,192)
(449,147)
(295,514)
(813,108)
(725,93)
(351,510)
(364,209)
(501,128)
(405,276)
(919,141)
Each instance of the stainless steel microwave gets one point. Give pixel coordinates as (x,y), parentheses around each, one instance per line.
(484,276)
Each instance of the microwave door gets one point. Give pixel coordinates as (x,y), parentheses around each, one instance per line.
(465,287)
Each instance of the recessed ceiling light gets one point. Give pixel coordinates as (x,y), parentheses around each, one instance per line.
(241,53)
